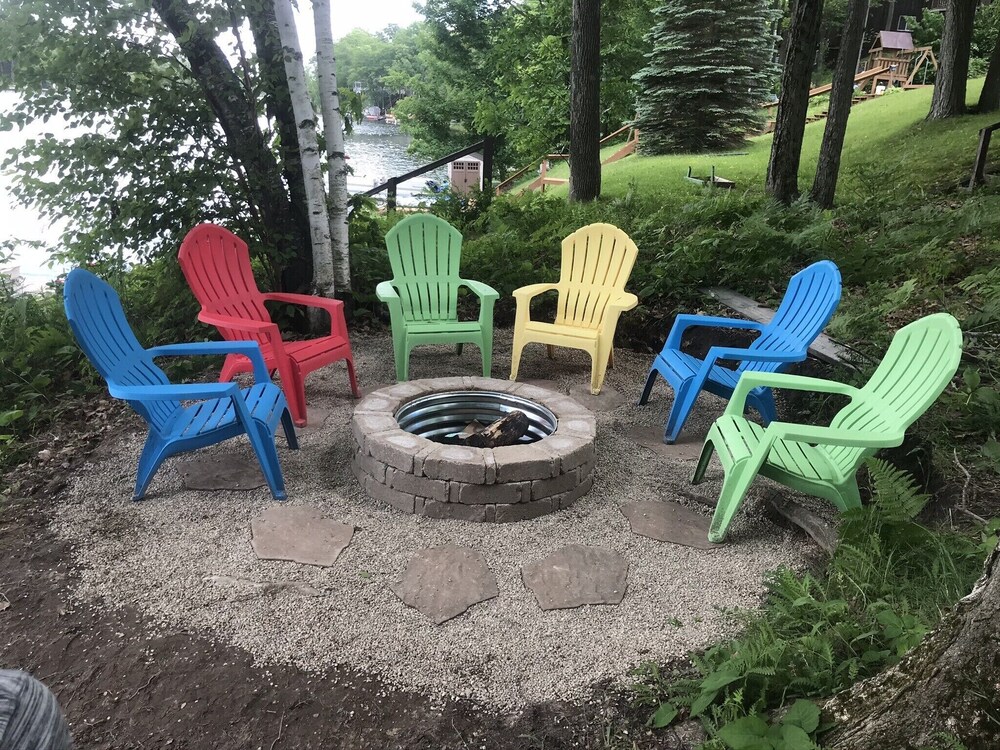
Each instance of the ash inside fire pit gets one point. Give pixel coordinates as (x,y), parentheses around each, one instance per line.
(460,417)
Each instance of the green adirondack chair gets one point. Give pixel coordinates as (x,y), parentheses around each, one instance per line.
(425,253)
(823,461)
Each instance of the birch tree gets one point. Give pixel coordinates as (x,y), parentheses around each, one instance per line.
(326,67)
(305,125)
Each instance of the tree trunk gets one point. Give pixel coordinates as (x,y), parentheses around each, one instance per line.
(305,121)
(585,102)
(828,168)
(238,117)
(953,70)
(296,276)
(989,97)
(333,131)
(790,120)
(946,686)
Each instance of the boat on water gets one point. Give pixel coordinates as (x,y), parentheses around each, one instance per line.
(390,119)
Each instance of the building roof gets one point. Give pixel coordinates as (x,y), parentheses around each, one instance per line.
(895,40)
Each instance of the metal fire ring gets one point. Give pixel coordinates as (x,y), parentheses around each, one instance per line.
(441,416)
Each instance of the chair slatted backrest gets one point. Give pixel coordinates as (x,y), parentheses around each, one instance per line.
(809,302)
(920,362)
(596,263)
(425,253)
(216,264)
(98,321)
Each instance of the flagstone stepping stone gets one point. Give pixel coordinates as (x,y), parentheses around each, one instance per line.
(299,533)
(226,471)
(669,522)
(576,575)
(687,448)
(443,582)
(607,400)
(316,416)
(551,385)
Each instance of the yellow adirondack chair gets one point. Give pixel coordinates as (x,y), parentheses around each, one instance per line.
(596,263)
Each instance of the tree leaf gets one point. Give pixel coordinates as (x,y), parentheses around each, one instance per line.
(702,702)
(718,680)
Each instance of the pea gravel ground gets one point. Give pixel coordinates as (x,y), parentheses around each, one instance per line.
(184,559)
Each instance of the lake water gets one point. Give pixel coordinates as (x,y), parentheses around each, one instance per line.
(377,151)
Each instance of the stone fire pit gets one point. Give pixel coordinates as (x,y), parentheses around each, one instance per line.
(550,469)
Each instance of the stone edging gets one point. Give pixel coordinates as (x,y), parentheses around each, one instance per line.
(512,483)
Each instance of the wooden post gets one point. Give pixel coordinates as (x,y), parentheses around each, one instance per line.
(979,165)
(390,195)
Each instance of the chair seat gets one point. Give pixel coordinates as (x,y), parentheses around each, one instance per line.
(686,366)
(419,327)
(560,331)
(264,401)
(735,439)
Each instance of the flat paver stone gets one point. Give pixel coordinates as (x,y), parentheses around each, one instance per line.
(299,533)
(688,448)
(607,400)
(576,575)
(316,417)
(443,582)
(552,385)
(226,471)
(669,522)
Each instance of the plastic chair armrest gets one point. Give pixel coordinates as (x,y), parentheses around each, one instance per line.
(481,290)
(751,380)
(249,349)
(256,327)
(335,308)
(385,291)
(754,355)
(624,301)
(532,290)
(683,322)
(171,392)
(833,436)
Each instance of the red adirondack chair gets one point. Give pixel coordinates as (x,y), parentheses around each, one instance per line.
(216,264)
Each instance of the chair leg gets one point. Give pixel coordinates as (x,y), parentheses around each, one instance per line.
(850,496)
(515,357)
(684,400)
(458,349)
(289,428)
(486,351)
(707,450)
(734,490)
(550,351)
(400,354)
(648,388)
(352,376)
(611,359)
(764,404)
(153,454)
(229,368)
(295,393)
(263,446)
(598,367)
(407,348)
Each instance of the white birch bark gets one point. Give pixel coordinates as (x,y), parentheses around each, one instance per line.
(305,125)
(326,67)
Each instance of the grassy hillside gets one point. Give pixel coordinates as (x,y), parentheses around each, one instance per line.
(884,135)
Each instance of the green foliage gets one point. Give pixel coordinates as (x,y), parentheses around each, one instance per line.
(707,72)
(885,587)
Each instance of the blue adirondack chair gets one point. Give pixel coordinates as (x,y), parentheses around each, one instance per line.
(809,303)
(223,410)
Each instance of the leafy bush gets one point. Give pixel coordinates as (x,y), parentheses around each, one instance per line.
(886,586)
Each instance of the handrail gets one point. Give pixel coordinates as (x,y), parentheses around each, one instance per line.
(486,146)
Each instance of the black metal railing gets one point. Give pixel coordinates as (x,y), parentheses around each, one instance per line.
(389,186)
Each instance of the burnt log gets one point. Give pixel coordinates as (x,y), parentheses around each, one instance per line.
(505,431)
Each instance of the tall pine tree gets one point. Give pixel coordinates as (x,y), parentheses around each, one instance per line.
(709,69)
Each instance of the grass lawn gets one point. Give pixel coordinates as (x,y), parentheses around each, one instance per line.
(887,138)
